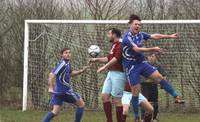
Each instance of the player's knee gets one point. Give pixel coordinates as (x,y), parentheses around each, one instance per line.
(55,112)
(158,78)
(125,110)
(105,98)
(82,104)
(135,91)
(150,110)
(117,101)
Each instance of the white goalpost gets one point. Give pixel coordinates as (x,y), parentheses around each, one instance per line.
(44,38)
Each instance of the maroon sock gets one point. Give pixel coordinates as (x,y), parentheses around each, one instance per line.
(123,118)
(107,106)
(119,111)
(147,117)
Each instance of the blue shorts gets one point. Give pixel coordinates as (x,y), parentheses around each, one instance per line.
(114,83)
(69,97)
(133,72)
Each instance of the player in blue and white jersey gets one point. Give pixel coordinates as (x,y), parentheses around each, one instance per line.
(134,62)
(61,90)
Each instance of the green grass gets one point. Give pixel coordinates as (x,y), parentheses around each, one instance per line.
(12,115)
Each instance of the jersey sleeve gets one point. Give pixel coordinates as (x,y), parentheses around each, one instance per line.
(146,36)
(118,52)
(59,67)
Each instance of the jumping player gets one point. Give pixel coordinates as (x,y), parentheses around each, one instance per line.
(134,62)
(62,91)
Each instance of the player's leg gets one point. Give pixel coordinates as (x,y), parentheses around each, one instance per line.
(56,102)
(118,108)
(147,107)
(107,106)
(50,115)
(133,75)
(80,109)
(73,97)
(158,78)
(135,89)
(118,80)
(146,92)
(148,110)
(154,100)
(126,99)
(152,73)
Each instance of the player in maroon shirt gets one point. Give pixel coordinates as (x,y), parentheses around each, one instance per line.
(114,83)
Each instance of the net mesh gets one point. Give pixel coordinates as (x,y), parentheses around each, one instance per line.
(181,61)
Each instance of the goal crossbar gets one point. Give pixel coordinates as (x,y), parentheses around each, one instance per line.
(26,40)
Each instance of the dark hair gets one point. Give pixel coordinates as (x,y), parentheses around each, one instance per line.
(116,31)
(63,50)
(133,17)
(152,53)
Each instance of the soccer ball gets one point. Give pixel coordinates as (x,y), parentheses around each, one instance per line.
(94,51)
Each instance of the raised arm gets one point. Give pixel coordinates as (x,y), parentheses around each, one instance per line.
(144,49)
(164,36)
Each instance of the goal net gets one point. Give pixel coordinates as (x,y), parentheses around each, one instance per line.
(45,38)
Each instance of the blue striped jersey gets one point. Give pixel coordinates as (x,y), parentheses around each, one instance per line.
(62,71)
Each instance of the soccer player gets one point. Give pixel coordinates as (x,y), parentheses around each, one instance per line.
(149,88)
(143,102)
(135,64)
(115,80)
(62,91)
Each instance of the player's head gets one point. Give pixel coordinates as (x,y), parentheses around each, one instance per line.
(113,33)
(135,23)
(65,53)
(152,58)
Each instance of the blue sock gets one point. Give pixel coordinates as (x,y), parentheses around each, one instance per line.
(135,104)
(48,117)
(79,113)
(168,87)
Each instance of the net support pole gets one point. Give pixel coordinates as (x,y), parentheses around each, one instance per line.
(25,73)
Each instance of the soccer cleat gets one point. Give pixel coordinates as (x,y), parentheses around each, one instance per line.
(137,119)
(179,100)
(147,117)
(155,120)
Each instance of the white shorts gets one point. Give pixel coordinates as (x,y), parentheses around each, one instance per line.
(114,83)
(127,96)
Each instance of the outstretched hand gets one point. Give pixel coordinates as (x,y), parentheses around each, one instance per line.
(85,67)
(92,60)
(157,49)
(175,35)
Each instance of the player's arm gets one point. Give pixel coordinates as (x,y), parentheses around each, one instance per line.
(144,49)
(107,65)
(77,72)
(51,80)
(99,60)
(163,36)
(117,57)
(130,43)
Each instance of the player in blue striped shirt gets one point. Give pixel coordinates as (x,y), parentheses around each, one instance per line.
(134,62)
(62,91)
